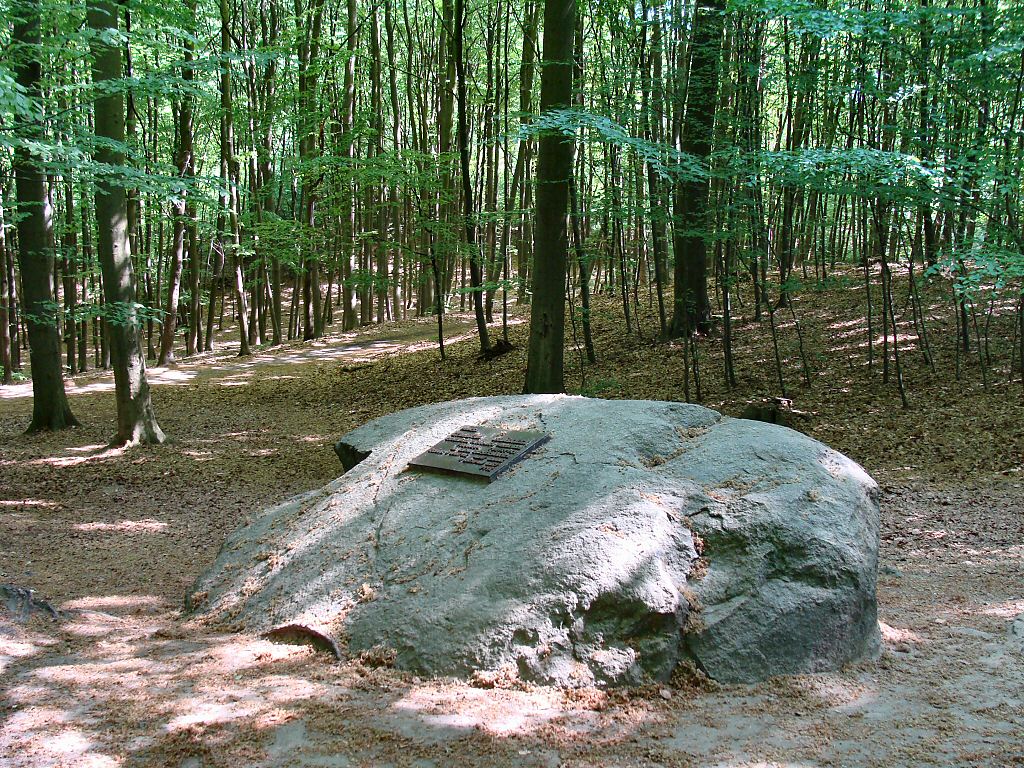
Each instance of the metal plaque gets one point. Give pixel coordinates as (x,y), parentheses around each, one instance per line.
(483,452)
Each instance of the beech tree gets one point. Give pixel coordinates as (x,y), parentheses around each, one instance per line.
(6,361)
(544,368)
(50,409)
(293,167)
(184,161)
(136,420)
(468,210)
(695,101)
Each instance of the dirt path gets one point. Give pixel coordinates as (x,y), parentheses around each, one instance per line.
(352,347)
(114,538)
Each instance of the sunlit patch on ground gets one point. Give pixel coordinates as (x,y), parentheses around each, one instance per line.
(124,526)
(1005,610)
(170,375)
(17,644)
(116,604)
(16,391)
(92,455)
(89,387)
(895,635)
(499,712)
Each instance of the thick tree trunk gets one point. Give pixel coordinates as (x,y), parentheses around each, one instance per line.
(544,369)
(50,409)
(692,309)
(136,421)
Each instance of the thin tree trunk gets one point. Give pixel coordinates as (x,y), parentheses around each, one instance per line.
(186,166)
(69,271)
(83,330)
(467,188)
(179,209)
(5,315)
(229,176)
(584,271)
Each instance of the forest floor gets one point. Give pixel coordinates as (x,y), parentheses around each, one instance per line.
(115,537)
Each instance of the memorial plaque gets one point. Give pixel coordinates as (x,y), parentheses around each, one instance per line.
(483,452)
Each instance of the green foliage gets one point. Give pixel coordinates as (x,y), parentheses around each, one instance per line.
(892,110)
(115,313)
(668,162)
(982,267)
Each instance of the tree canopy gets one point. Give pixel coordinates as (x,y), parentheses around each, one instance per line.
(307,164)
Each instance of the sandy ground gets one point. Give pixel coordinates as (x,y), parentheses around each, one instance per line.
(113,538)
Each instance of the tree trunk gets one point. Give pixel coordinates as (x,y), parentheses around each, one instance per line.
(179,210)
(467,188)
(83,330)
(393,196)
(136,421)
(349,318)
(544,369)
(525,242)
(187,167)
(69,271)
(170,321)
(692,309)
(50,409)
(311,19)
(5,325)
(229,177)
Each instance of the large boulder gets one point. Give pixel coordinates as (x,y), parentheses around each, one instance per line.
(641,535)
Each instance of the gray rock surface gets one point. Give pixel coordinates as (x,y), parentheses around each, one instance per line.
(641,535)
(1015,634)
(21,602)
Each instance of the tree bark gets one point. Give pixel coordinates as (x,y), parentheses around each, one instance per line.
(179,211)
(311,18)
(187,167)
(50,409)
(136,420)
(69,271)
(467,187)
(525,241)
(544,368)
(5,326)
(692,309)
(229,176)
